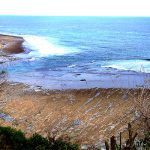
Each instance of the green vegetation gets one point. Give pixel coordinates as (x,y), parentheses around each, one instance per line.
(12,139)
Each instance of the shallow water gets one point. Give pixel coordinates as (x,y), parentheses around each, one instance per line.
(59,48)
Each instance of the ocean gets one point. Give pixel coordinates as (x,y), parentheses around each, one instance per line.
(77,49)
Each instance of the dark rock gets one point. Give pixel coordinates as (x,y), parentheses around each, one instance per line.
(83,80)
(11,44)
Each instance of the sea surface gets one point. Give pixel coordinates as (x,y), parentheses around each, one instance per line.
(80,51)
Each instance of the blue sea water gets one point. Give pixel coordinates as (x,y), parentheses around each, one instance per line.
(56,46)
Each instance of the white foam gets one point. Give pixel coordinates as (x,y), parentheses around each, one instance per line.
(133,65)
(43,46)
(71,66)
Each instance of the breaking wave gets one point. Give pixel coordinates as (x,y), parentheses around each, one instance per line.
(133,65)
(44,46)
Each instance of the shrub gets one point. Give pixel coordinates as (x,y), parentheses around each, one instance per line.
(12,139)
(61,145)
(38,142)
(145,143)
(131,143)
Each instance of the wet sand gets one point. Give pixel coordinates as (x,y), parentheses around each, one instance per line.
(86,115)
(54,81)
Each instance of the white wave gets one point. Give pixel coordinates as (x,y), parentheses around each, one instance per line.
(42,46)
(133,65)
(71,66)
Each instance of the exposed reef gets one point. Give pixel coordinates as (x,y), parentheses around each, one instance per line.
(11,44)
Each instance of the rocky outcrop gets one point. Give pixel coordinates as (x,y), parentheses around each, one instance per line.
(11,44)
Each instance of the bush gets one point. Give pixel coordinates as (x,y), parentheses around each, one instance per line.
(61,145)
(145,143)
(38,142)
(12,139)
(131,143)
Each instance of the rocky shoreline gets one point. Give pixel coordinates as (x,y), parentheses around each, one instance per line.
(11,44)
(88,115)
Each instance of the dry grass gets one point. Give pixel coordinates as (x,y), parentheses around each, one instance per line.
(142,106)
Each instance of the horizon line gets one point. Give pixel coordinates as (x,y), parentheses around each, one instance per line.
(70,15)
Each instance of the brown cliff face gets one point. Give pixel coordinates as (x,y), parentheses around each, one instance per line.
(11,44)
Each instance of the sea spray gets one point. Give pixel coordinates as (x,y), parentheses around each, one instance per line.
(43,46)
